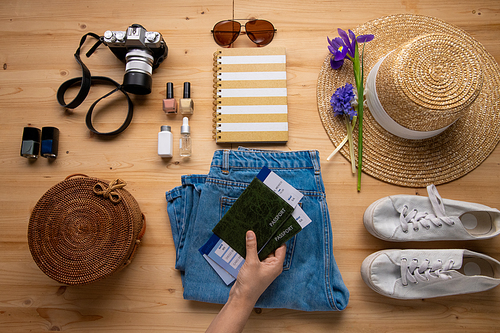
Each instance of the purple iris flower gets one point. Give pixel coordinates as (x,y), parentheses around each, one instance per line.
(365,38)
(345,46)
(351,44)
(338,49)
(341,101)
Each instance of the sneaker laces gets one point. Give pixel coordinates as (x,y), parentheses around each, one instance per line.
(423,218)
(416,273)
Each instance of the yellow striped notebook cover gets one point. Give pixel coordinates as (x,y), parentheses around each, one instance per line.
(250,95)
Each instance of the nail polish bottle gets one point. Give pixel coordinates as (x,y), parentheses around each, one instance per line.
(30,145)
(170,104)
(186,104)
(165,142)
(50,142)
(185,140)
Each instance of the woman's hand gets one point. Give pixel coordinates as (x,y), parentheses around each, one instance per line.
(255,275)
(253,279)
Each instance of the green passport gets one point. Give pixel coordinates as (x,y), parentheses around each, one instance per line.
(261,210)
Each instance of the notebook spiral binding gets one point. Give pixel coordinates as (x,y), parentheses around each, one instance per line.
(216,107)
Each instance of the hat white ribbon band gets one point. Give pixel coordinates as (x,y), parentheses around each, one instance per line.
(383,118)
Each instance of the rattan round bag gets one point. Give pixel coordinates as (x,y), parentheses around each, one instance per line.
(84,229)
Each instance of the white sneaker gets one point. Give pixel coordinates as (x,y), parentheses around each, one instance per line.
(401,218)
(414,274)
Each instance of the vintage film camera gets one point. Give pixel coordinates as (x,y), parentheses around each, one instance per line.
(142,50)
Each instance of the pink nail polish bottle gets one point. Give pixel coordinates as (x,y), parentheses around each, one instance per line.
(170,104)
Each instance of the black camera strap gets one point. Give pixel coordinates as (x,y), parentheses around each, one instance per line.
(85,82)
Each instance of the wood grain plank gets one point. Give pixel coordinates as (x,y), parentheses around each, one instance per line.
(36,56)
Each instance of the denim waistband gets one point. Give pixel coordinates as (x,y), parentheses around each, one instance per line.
(237,168)
(254,159)
(193,179)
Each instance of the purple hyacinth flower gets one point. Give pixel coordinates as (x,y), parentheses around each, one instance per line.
(341,101)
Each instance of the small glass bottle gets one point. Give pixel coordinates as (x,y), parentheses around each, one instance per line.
(186,104)
(185,140)
(165,142)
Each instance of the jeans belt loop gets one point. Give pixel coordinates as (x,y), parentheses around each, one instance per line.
(225,161)
(315,161)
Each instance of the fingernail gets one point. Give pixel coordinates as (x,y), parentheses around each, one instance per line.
(250,235)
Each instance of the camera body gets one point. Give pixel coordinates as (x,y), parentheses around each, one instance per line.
(142,50)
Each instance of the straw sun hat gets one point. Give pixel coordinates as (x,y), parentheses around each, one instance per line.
(433,101)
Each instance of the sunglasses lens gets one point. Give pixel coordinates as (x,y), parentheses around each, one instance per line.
(226,32)
(261,32)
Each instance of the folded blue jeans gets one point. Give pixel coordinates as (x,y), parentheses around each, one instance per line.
(310,280)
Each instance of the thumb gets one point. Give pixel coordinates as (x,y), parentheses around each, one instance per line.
(251,242)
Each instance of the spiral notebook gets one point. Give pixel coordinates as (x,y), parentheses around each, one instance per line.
(250,95)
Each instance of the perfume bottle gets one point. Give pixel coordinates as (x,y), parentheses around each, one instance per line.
(170,104)
(165,142)
(185,140)
(186,104)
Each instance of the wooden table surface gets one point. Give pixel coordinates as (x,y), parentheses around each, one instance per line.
(37,43)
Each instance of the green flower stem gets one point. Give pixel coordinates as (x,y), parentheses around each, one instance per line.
(350,126)
(360,135)
(358,76)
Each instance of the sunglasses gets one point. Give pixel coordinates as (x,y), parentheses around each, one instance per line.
(261,32)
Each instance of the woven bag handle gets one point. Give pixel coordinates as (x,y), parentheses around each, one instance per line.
(77,175)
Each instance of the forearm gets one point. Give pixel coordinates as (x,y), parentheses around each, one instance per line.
(233,316)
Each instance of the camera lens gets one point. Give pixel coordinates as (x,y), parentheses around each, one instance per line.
(138,71)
